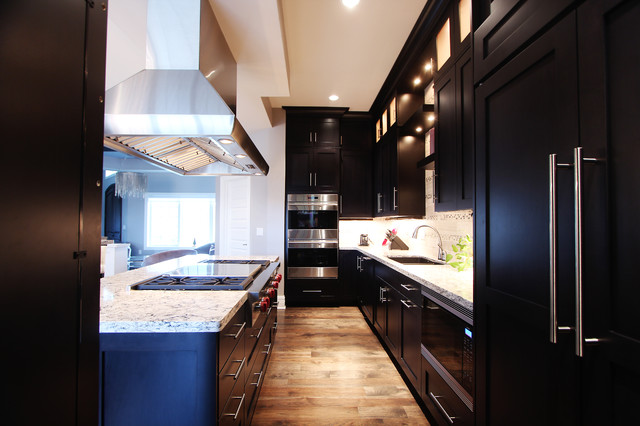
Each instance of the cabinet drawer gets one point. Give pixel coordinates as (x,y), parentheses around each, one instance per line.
(230,335)
(235,407)
(312,292)
(443,403)
(408,288)
(232,374)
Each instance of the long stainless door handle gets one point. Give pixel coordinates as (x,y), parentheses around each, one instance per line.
(237,373)
(408,303)
(235,336)
(379,202)
(268,346)
(235,415)
(340,204)
(577,180)
(553,255)
(578,161)
(408,287)
(257,383)
(315,179)
(310,177)
(553,320)
(358,262)
(440,407)
(395,203)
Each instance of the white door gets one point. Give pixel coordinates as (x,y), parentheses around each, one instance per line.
(235,208)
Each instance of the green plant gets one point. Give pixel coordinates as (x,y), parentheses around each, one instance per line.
(463,254)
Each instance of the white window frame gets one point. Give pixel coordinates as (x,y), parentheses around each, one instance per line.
(177,196)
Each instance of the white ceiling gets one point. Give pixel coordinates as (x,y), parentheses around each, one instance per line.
(298,52)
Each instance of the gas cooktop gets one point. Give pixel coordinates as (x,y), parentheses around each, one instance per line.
(217,274)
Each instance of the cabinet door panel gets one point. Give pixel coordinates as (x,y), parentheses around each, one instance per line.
(326,131)
(326,177)
(464,99)
(509,26)
(299,170)
(411,339)
(299,132)
(609,69)
(445,132)
(526,111)
(355,184)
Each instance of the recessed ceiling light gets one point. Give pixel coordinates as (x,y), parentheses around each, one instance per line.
(334,98)
(417,81)
(350,3)
(240,156)
(428,66)
(225,141)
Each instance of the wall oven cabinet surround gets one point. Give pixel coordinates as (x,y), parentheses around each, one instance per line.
(311,251)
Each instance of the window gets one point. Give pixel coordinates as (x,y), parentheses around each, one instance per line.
(173,222)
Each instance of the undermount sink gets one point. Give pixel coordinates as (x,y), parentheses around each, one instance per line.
(415,260)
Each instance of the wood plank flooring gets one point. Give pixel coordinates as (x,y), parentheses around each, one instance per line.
(328,368)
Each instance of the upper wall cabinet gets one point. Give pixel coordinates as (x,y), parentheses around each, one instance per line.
(504,27)
(355,173)
(313,130)
(313,150)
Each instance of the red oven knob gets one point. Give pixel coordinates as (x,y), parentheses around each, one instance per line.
(264,304)
(275,284)
(271,293)
(279,277)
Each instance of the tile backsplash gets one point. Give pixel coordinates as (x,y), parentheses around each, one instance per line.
(451,225)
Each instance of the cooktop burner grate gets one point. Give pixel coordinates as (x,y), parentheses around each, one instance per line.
(167,282)
(237,262)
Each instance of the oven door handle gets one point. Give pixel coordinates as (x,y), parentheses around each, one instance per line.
(311,244)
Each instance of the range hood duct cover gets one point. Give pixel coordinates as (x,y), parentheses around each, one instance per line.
(173,99)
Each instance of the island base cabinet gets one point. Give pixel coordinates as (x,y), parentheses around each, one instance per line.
(158,378)
(185,378)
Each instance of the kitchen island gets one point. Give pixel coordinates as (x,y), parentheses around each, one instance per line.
(181,357)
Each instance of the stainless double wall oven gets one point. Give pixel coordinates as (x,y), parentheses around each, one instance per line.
(312,236)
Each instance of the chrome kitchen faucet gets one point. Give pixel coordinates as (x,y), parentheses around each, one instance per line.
(441,254)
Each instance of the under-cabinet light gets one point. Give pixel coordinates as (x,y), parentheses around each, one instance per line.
(417,81)
(419,129)
(225,141)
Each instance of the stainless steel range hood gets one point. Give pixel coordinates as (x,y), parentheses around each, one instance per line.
(176,78)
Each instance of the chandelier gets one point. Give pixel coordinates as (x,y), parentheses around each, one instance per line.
(131,185)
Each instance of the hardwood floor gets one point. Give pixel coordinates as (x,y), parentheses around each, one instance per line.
(328,368)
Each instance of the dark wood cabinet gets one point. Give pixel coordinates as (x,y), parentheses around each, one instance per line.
(505,27)
(348,277)
(525,111)
(312,292)
(309,130)
(454,137)
(356,166)
(367,291)
(313,170)
(398,183)
(51,193)
(313,150)
(552,98)
(609,66)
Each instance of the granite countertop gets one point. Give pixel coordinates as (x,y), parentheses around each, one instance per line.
(123,310)
(443,279)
